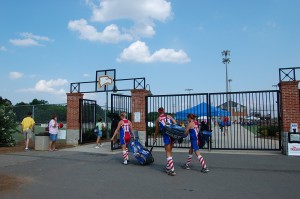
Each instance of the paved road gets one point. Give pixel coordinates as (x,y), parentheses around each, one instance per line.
(75,174)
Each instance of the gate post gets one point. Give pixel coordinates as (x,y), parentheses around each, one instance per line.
(73,126)
(138,112)
(290,108)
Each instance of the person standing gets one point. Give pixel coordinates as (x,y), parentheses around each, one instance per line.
(27,128)
(193,130)
(100,127)
(161,121)
(124,127)
(53,131)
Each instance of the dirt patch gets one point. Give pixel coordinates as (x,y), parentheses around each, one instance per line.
(8,184)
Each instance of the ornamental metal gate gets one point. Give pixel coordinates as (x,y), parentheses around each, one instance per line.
(238,120)
(87,120)
(119,104)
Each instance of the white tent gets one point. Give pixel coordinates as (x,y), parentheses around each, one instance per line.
(252,118)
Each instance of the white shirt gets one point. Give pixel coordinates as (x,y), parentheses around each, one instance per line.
(52,129)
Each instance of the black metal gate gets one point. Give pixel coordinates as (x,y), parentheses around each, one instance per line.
(87,118)
(119,104)
(238,120)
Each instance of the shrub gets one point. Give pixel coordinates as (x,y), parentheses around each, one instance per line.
(7,127)
(268,130)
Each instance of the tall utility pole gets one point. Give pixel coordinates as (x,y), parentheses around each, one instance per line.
(229,82)
(189,90)
(226,60)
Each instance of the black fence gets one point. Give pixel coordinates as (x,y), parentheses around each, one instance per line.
(42,113)
(87,118)
(238,120)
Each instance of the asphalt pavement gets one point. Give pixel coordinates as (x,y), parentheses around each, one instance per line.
(86,172)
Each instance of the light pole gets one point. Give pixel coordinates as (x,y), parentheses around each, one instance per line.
(226,60)
(229,83)
(149,90)
(189,90)
(275,85)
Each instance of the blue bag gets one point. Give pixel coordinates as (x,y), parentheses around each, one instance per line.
(142,154)
(203,138)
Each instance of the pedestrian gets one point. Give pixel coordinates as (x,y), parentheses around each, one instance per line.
(161,121)
(100,127)
(53,131)
(27,128)
(193,130)
(124,127)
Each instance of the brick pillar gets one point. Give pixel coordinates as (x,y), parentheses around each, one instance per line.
(290,108)
(73,117)
(138,106)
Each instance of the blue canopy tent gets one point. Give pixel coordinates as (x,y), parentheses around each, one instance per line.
(201,110)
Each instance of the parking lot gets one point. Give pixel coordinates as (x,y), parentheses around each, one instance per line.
(85,172)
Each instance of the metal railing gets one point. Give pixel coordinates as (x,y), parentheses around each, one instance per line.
(288,74)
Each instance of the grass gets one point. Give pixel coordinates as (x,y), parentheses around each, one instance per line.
(38,129)
(252,128)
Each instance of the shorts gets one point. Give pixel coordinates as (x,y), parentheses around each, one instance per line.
(99,134)
(53,137)
(194,145)
(27,134)
(167,139)
(124,138)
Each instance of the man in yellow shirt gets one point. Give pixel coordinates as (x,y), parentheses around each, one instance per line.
(27,128)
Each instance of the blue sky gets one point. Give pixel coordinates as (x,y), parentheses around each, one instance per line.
(174,44)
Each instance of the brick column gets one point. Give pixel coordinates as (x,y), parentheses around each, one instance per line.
(290,108)
(138,106)
(73,117)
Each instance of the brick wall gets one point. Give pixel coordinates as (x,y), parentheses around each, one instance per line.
(290,108)
(73,110)
(138,104)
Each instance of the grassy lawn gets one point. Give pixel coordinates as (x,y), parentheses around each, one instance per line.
(38,129)
(252,128)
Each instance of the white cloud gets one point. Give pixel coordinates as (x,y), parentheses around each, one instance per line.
(86,75)
(24,42)
(51,86)
(134,10)
(142,14)
(111,34)
(139,52)
(2,48)
(29,39)
(35,37)
(15,75)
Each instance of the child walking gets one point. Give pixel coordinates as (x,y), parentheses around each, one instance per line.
(193,130)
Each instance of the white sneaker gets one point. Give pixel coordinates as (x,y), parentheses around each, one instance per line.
(101,145)
(125,162)
(97,147)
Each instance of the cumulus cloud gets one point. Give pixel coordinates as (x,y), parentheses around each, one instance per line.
(139,52)
(2,48)
(141,14)
(29,39)
(111,33)
(50,86)
(15,75)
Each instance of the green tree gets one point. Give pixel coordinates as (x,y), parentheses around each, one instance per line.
(38,102)
(7,126)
